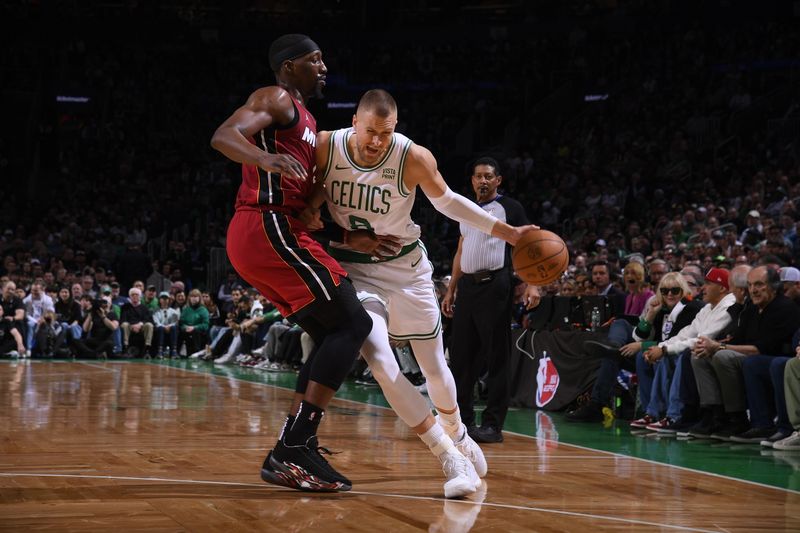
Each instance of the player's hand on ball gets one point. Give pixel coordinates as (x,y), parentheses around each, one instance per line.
(539,257)
(519,232)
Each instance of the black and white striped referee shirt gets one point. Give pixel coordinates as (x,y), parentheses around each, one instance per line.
(480,251)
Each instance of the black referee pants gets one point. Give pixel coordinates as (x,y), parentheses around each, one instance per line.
(480,338)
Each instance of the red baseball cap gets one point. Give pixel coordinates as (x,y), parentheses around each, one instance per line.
(718,276)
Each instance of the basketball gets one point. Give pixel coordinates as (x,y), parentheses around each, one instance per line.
(540,257)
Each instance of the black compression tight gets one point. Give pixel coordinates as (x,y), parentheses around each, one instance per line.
(339,327)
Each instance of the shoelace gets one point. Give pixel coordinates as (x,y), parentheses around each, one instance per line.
(452,463)
(321,450)
(467,450)
(313,444)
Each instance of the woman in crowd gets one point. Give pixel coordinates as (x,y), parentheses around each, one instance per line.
(670,311)
(68,314)
(194,323)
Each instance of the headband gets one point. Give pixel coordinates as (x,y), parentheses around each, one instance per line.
(290,46)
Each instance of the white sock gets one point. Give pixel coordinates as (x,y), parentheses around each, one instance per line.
(438,441)
(452,424)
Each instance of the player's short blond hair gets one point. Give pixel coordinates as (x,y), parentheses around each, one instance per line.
(379,102)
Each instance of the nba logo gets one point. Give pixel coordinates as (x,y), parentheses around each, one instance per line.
(547,381)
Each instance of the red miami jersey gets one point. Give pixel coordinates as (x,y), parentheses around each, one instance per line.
(262,190)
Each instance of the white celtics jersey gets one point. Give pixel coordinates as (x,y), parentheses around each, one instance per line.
(373,198)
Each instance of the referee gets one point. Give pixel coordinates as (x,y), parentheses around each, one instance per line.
(481,328)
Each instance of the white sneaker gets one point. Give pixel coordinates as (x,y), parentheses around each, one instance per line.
(263,364)
(13,353)
(459,516)
(792,442)
(461,476)
(259,351)
(198,354)
(225,359)
(473,452)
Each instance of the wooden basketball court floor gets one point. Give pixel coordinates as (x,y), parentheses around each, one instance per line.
(176,446)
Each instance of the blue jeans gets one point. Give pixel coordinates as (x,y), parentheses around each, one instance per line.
(763,383)
(117,338)
(30,330)
(645,376)
(74,331)
(216,334)
(172,340)
(683,396)
(620,333)
(667,386)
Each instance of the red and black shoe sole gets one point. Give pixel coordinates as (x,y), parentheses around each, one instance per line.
(295,477)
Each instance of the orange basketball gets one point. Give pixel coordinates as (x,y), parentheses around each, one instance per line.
(540,257)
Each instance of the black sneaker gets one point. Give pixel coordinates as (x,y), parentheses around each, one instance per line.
(486,434)
(268,473)
(726,432)
(302,467)
(753,435)
(704,429)
(682,427)
(132,351)
(415,378)
(591,412)
(775,437)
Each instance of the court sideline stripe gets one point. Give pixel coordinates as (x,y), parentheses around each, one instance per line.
(366,493)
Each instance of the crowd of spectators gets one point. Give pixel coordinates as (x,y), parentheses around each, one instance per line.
(641,138)
(127,179)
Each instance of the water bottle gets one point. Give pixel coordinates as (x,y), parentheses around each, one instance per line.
(595,319)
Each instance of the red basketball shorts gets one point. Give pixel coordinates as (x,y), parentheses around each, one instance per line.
(274,253)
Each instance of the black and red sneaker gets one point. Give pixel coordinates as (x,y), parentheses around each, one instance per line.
(302,467)
(643,422)
(665,426)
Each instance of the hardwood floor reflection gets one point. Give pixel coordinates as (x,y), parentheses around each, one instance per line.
(103,446)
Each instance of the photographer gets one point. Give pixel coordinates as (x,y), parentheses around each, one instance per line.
(99,326)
